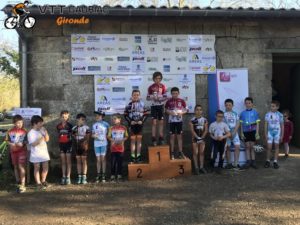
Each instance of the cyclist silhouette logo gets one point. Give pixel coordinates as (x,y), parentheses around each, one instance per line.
(20,17)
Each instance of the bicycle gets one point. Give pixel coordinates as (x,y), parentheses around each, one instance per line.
(27,21)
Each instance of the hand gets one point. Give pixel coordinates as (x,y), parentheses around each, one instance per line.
(257,137)
(173,113)
(139,123)
(133,123)
(219,138)
(243,137)
(19,144)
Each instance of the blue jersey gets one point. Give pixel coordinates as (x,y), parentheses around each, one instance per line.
(274,121)
(249,120)
(100,129)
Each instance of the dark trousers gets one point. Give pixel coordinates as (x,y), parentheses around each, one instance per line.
(218,147)
(116,163)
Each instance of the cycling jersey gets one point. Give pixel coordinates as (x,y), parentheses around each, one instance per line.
(117,133)
(199,125)
(231,118)
(249,119)
(157,90)
(135,111)
(177,105)
(80,132)
(100,129)
(64,132)
(17,135)
(274,120)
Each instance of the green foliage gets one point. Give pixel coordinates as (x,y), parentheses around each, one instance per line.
(9,62)
(10,92)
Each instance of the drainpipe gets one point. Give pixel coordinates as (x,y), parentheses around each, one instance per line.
(24,103)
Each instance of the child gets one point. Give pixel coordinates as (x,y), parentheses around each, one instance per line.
(288,132)
(231,118)
(199,128)
(175,108)
(157,94)
(274,130)
(117,134)
(64,129)
(81,137)
(37,138)
(99,133)
(16,139)
(135,115)
(219,132)
(249,120)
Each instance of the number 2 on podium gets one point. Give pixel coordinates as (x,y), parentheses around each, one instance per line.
(139,172)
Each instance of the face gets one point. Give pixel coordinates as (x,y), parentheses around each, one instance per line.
(248,104)
(116,120)
(228,106)
(219,117)
(98,117)
(175,94)
(19,124)
(274,107)
(198,111)
(65,117)
(286,116)
(135,96)
(157,79)
(39,125)
(80,121)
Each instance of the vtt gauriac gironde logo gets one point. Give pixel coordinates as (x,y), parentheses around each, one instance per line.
(20,17)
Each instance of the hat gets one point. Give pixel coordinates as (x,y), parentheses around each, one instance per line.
(100,112)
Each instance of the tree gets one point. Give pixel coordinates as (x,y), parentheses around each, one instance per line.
(9,61)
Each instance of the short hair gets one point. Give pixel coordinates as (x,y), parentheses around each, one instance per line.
(36,119)
(135,90)
(229,100)
(249,99)
(196,106)
(17,118)
(174,89)
(275,102)
(157,74)
(64,112)
(117,115)
(219,112)
(80,115)
(288,112)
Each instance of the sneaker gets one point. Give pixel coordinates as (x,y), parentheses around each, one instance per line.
(229,166)
(113,178)
(45,184)
(63,181)
(40,187)
(161,141)
(97,179)
(275,165)
(172,156)
(21,188)
(83,179)
(78,180)
(103,178)
(68,181)
(138,159)
(119,178)
(181,155)
(203,170)
(267,164)
(154,143)
(132,159)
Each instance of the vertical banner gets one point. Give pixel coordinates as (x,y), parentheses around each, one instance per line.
(113,93)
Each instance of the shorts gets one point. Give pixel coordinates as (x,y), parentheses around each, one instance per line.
(81,148)
(136,129)
(176,128)
(233,140)
(100,151)
(273,136)
(250,136)
(195,140)
(157,112)
(18,157)
(65,148)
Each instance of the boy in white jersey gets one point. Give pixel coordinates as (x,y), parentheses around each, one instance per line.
(274,130)
(99,133)
(231,118)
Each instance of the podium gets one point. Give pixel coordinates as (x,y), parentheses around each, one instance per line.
(160,166)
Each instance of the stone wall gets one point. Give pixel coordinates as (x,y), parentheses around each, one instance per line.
(243,43)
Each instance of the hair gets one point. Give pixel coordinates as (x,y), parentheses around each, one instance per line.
(26,2)
(174,89)
(288,112)
(80,115)
(249,99)
(117,115)
(275,102)
(196,106)
(64,112)
(134,91)
(229,100)
(219,112)
(17,118)
(36,119)
(157,74)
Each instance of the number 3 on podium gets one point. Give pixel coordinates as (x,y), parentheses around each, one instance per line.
(181,170)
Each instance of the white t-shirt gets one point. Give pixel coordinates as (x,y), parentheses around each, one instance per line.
(218,129)
(38,153)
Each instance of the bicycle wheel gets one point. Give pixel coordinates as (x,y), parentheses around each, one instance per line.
(29,22)
(10,22)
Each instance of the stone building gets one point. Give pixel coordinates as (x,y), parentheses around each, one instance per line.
(266,41)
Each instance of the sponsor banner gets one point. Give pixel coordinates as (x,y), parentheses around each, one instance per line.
(113,93)
(27,113)
(111,54)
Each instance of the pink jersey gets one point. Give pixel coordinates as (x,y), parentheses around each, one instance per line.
(157,90)
(176,105)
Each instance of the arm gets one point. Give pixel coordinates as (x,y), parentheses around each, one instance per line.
(266,130)
(211,135)
(292,129)
(236,128)
(192,130)
(282,131)
(205,130)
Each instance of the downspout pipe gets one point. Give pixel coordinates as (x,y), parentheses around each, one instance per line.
(24,101)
